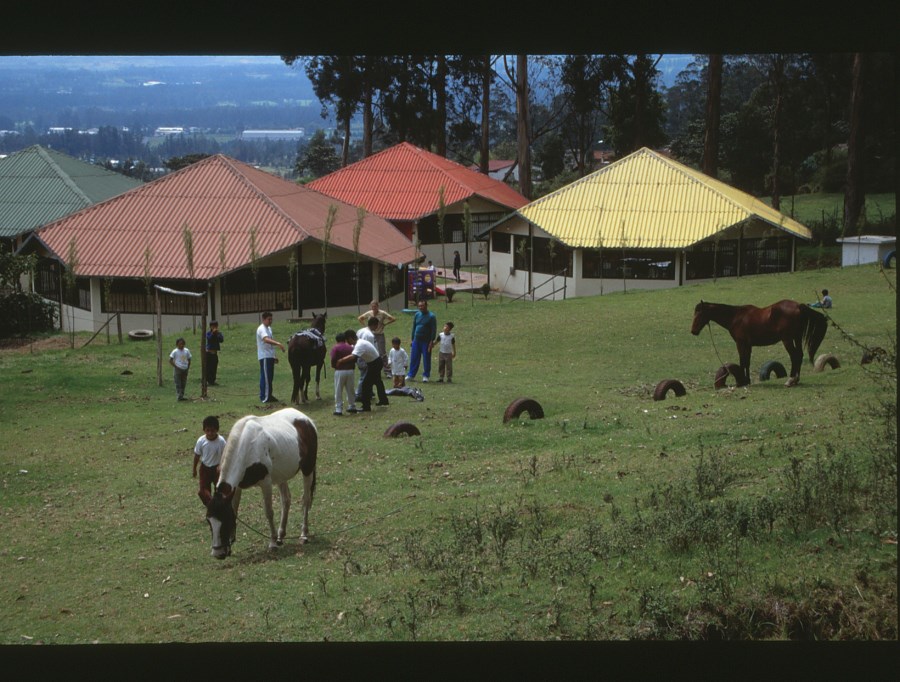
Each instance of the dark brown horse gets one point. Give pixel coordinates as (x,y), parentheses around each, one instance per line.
(790,322)
(305,349)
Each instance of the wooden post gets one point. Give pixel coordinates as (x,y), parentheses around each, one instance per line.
(159,349)
(119,326)
(203,352)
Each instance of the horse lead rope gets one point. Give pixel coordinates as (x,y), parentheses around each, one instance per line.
(713,341)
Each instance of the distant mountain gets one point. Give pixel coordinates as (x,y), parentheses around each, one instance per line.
(213,93)
(92,91)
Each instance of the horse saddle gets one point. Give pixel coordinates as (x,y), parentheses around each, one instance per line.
(314,335)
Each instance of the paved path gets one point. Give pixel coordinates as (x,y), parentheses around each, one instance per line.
(470,280)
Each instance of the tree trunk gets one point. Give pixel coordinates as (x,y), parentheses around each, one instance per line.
(778,76)
(345,147)
(713,108)
(854,194)
(367,120)
(440,132)
(522,128)
(483,162)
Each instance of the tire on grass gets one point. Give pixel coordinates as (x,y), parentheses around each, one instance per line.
(402,429)
(730,369)
(765,372)
(826,359)
(664,386)
(140,334)
(520,405)
(890,260)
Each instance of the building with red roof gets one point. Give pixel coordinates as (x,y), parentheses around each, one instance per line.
(249,240)
(403,184)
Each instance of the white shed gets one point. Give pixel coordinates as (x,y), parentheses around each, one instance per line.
(867,248)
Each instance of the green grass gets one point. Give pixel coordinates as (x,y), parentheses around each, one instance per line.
(754,513)
(816,208)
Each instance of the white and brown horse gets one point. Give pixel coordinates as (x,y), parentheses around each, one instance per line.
(263,451)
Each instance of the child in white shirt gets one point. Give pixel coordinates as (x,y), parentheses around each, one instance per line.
(180,359)
(398,360)
(446,353)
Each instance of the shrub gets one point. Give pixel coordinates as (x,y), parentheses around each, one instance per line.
(23,313)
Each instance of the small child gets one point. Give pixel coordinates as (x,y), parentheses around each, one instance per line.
(398,361)
(343,378)
(208,453)
(824,303)
(214,339)
(446,353)
(180,359)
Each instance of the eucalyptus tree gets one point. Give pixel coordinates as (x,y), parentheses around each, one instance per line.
(583,93)
(636,109)
(710,163)
(337,83)
(854,195)
(539,109)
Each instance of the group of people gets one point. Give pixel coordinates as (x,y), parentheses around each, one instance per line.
(365,349)
(180,359)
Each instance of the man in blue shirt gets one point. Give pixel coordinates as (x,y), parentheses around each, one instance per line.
(424,332)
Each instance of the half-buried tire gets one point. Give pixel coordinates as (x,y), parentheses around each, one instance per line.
(666,385)
(826,359)
(402,429)
(140,334)
(765,372)
(730,369)
(520,405)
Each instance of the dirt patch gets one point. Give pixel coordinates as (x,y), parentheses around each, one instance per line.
(34,345)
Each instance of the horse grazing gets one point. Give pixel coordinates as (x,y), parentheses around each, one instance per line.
(305,349)
(263,451)
(790,322)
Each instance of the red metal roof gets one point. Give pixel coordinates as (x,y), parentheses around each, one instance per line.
(214,197)
(402,183)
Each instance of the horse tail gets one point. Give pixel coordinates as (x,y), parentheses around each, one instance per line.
(814,327)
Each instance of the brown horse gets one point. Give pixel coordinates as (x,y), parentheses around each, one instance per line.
(305,349)
(790,322)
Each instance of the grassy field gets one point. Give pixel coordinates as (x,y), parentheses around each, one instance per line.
(810,209)
(762,512)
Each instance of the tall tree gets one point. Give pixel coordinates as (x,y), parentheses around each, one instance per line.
(635,105)
(854,194)
(582,82)
(337,81)
(487,77)
(523,133)
(780,71)
(713,113)
(320,158)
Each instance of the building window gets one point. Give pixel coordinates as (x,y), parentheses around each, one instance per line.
(712,259)
(628,264)
(345,286)
(482,221)
(521,252)
(551,257)
(769,254)
(501,242)
(133,296)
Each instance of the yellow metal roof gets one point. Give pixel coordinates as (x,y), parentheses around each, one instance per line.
(646,200)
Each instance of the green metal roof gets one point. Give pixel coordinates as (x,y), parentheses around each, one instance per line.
(646,200)
(39,185)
